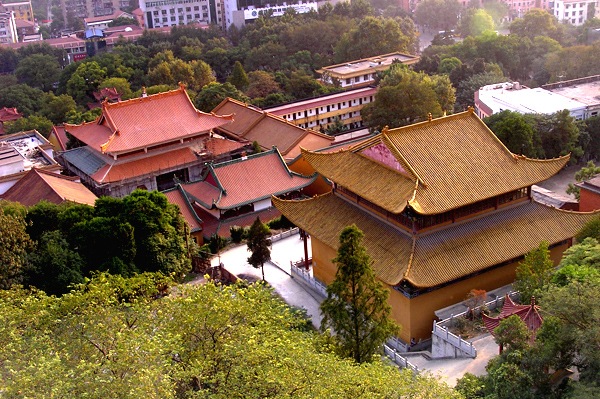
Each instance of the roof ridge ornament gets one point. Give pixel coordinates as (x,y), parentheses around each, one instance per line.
(429,117)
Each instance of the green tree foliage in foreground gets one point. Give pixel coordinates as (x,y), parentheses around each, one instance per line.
(14,246)
(356,307)
(258,245)
(128,338)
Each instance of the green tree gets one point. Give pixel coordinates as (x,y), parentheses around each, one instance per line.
(261,84)
(258,245)
(54,267)
(33,122)
(534,273)
(580,263)
(38,70)
(203,74)
(373,36)
(25,99)
(56,108)
(129,338)
(405,96)
(121,21)
(238,77)
(14,246)
(213,93)
(438,14)
(587,172)
(537,22)
(475,22)
(512,334)
(356,308)
(590,229)
(120,84)
(85,80)
(514,132)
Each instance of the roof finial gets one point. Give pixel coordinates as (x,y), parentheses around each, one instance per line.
(385,129)
(144,94)
(429,117)
(470,109)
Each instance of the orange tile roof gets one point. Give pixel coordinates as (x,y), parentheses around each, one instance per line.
(212,225)
(433,166)
(39,185)
(144,122)
(61,137)
(178,197)
(439,256)
(243,181)
(163,162)
(253,124)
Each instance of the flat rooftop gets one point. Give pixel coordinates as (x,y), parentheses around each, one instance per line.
(379,61)
(587,93)
(503,97)
(23,146)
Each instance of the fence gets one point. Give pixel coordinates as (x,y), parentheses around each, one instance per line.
(453,340)
(285,234)
(309,280)
(491,305)
(399,360)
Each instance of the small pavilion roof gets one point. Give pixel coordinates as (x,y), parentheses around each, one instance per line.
(268,130)
(528,313)
(39,185)
(9,114)
(243,181)
(432,166)
(144,122)
(439,256)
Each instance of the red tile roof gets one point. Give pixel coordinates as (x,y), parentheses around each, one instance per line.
(39,185)
(528,313)
(9,114)
(59,133)
(178,197)
(253,124)
(146,121)
(145,166)
(236,183)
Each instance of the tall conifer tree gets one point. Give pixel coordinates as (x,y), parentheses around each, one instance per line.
(258,245)
(356,307)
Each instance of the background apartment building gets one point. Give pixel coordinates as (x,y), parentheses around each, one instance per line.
(8,28)
(92,8)
(162,13)
(22,9)
(575,12)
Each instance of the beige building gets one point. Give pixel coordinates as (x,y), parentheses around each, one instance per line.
(361,73)
(22,9)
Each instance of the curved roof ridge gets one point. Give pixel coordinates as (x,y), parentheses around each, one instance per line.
(388,143)
(273,198)
(411,257)
(567,211)
(365,144)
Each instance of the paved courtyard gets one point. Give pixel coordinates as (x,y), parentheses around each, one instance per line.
(277,274)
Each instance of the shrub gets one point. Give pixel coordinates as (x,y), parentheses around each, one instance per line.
(238,233)
(280,223)
(216,242)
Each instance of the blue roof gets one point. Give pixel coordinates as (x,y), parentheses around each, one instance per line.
(84,160)
(93,32)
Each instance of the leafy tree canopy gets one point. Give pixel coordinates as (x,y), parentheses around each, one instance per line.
(117,338)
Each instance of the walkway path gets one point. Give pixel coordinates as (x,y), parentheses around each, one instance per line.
(277,274)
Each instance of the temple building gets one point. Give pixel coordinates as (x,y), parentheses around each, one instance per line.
(444,207)
(237,192)
(148,142)
(255,125)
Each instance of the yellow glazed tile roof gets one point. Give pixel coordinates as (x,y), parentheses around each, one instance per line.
(440,256)
(456,160)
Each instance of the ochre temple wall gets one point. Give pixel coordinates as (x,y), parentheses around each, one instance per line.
(416,315)
(588,201)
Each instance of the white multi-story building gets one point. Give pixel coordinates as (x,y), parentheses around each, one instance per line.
(575,12)
(8,28)
(162,13)
(239,12)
